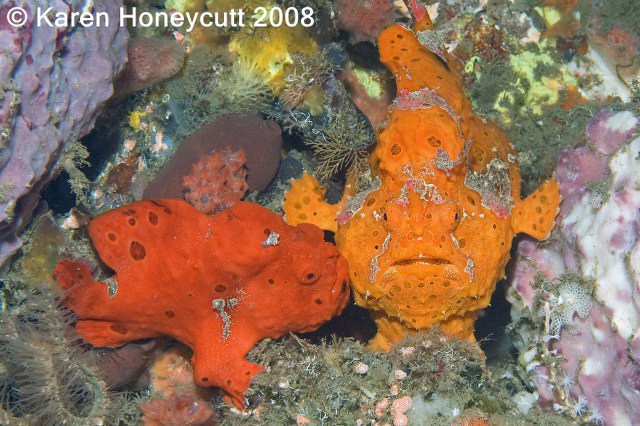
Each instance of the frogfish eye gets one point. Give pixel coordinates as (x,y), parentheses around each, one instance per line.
(308,276)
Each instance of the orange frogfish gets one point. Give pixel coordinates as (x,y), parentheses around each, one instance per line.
(218,284)
(427,242)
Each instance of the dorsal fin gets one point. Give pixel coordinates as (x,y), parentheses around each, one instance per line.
(415,67)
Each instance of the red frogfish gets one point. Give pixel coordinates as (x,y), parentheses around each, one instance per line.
(218,284)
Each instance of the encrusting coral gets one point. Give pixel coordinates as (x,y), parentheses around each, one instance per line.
(217,283)
(176,399)
(216,181)
(271,50)
(430,238)
(177,410)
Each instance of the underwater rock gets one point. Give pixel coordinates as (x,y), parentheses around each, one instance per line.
(124,365)
(327,384)
(371,92)
(617,42)
(338,133)
(53,81)
(211,86)
(586,365)
(446,186)
(260,139)
(150,60)
(364,19)
(218,284)
(292,167)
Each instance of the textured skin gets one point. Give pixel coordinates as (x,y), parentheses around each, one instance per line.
(307,200)
(171,262)
(53,82)
(428,246)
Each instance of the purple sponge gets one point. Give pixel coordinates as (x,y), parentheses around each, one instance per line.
(53,82)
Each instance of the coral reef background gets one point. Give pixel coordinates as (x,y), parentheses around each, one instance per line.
(95,118)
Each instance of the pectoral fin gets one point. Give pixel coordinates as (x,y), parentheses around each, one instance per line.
(108,333)
(535,215)
(305,203)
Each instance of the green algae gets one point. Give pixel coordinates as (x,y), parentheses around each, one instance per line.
(537,137)
(517,95)
(538,143)
(213,85)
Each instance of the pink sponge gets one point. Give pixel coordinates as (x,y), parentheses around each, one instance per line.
(178,410)
(217,181)
(151,60)
(364,19)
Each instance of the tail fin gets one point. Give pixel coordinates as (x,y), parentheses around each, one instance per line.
(81,291)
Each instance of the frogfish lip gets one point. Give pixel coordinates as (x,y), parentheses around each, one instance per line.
(420,260)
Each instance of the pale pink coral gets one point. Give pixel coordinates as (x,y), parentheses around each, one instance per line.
(177,411)
(217,181)
(401,405)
